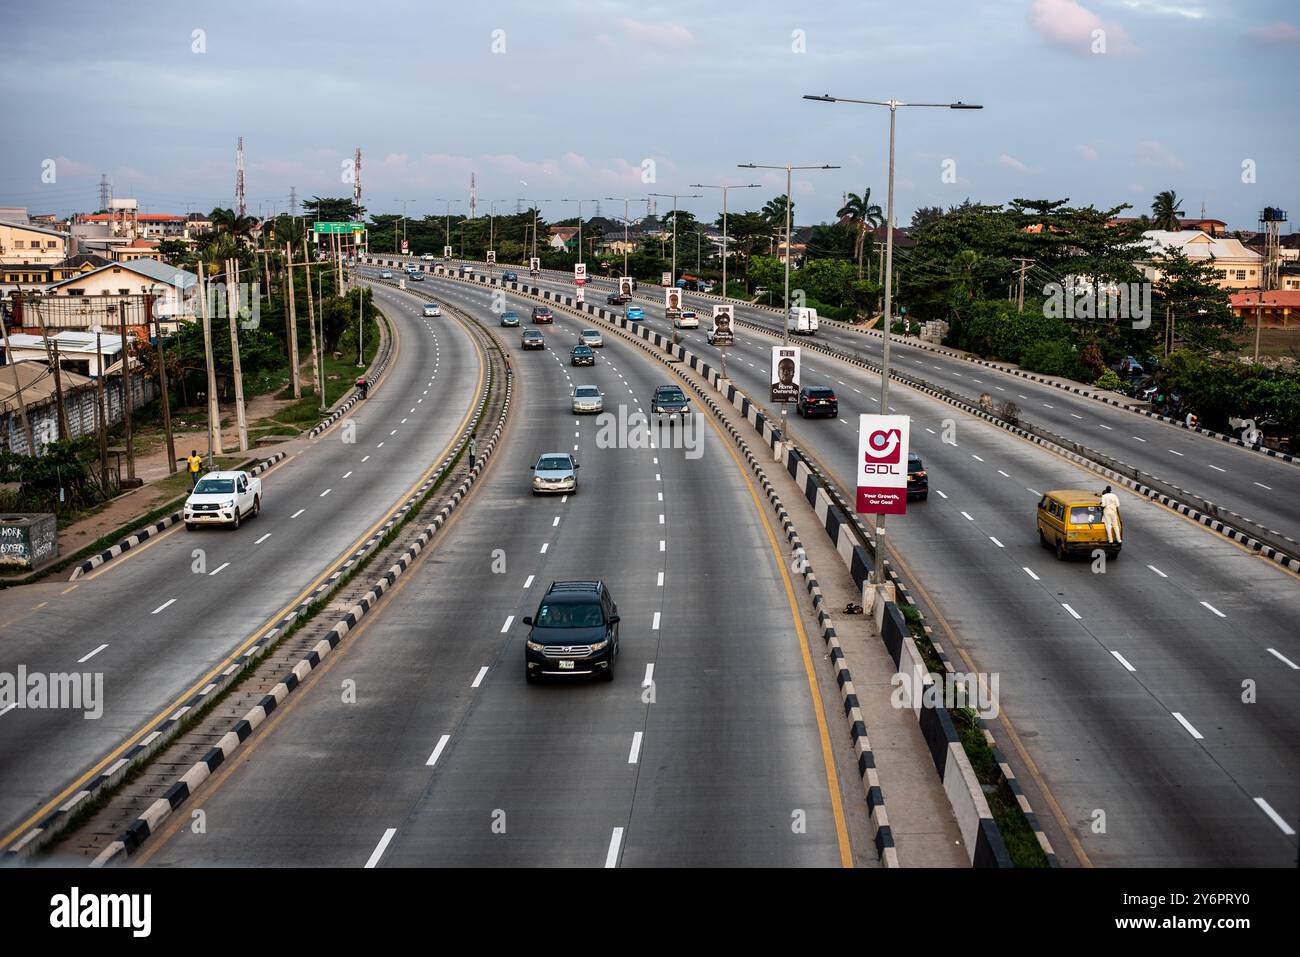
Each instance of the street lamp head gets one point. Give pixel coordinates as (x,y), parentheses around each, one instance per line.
(959,105)
(824,98)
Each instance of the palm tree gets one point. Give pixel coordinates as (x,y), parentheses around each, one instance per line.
(863,215)
(227,221)
(1165,209)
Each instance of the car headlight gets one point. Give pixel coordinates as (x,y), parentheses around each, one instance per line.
(600,645)
(534,646)
(230,504)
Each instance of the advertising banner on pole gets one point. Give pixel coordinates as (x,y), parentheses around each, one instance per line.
(579,273)
(785,373)
(446,252)
(723,334)
(625,285)
(882,464)
(405,248)
(492,257)
(535,265)
(578,293)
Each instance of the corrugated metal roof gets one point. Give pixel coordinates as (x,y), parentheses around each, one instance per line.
(150,268)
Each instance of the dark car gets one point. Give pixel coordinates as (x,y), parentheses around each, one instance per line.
(510,319)
(581,355)
(669,400)
(575,632)
(617,299)
(509,276)
(918,481)
(817,400)
(543,314)
(532,339)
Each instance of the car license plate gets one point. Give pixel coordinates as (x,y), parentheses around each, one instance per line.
(566,665)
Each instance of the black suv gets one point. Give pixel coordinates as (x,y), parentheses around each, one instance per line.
(582,355)
(669,400)
(617,299)
(918,481)
(575,632)
(817,400)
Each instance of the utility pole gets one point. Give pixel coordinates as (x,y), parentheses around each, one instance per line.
(162,382)
(1025,263)
(52,357)
(725,189)
(291,318)
(101,413)
(18,386)
(316,372)
(128,395)
(232,309)
(214,420)
(626,200)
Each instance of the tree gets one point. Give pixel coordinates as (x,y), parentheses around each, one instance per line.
(1166,207)
(863,215)
(1188,289)
(744,232)
(926,215)
(331,210)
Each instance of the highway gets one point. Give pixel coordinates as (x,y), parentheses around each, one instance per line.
(704,750)
(159,621)
(1259,487)
(1124,688)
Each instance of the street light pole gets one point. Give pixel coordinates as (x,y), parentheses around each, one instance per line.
(893,106)
(674,197)
(403,202)
(578,253)
(626,200)
(724,189)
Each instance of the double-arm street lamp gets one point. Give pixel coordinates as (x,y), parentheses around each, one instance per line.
(578,253)
(674,197)
(893,106)
(447,242)
(724,188)
(403,202)
(626,200)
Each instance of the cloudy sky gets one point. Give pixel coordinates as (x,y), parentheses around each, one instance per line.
(1101,101)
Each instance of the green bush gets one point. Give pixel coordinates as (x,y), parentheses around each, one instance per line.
(1109,380)
(1054,357)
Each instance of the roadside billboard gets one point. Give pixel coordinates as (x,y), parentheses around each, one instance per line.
(882,464)
(723,333)
(785,373)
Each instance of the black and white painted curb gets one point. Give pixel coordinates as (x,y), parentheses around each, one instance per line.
(142,827)
(144,534)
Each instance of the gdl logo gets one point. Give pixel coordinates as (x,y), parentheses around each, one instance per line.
(884,452)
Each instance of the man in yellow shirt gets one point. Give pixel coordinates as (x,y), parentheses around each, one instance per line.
(195,462)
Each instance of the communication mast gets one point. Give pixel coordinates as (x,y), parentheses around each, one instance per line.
(241,208)
(356,178)
(105,191)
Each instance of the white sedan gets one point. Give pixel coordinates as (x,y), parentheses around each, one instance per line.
(687,320)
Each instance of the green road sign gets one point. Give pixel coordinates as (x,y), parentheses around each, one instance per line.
(339,227)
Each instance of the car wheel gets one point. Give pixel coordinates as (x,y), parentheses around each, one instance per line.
(609,672)
(924,496)
(257,506)
(235,523)
(1113,555)
(1060,550)
(190,526)
(1042,539)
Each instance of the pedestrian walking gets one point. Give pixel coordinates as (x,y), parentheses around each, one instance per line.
(195,463)
(1110,516)
(473,448)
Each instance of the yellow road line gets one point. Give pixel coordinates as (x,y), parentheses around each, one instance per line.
(226,662)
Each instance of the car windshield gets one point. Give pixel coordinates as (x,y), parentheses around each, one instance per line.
(1085,515)
(532,334)
(582,350)
(588,391)
(570,615)
(214,487)
(671,395)
(553,463)
(590,334)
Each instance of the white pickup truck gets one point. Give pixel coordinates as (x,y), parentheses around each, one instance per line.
(223,498)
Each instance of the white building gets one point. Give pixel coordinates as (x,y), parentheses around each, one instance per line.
(25,243)
(1238,266)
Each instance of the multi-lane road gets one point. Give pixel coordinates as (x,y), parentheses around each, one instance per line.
(706,749)
(1148,706)
(162,620)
